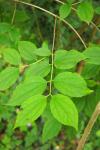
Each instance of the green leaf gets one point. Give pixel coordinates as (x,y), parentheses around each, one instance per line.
(91,101)
(12,56)
(71,84)
(65,10)
(4,27)
(8,77)
(98,133)
(30,87)
(43,51)
(15,35)
(97,10)
(32,108)
(93,55)
(41,68)
(27,49)
(67,59)
(90,70)
(79,103)
(64,110)
(85,11)
(51,129)
(21,16)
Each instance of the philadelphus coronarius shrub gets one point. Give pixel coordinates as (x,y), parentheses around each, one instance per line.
(46,82)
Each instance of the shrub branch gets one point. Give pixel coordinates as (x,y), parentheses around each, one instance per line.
(89,127)
(52,55)
(55,16)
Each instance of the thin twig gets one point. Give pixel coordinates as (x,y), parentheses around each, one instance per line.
(80,67)
(23,67)
(93,24)
(89,127)
(55,16)
(14,13)
(52,59)
(35,6)
(59,1)
(76,3)
(63,2)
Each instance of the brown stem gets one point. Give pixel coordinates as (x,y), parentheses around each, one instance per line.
(97,21)
(89,127)
(80,66)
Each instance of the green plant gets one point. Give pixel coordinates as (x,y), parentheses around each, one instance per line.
(48,80)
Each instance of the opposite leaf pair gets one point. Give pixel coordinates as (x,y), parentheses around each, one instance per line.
(62,108)
(29,95)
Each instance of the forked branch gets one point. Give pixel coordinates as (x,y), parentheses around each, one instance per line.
(55,16)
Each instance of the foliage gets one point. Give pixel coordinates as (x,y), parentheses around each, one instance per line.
(49,73)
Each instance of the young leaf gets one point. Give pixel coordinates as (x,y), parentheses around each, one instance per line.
(31,86)
(91,101)
(4,27)
(51,129)
(15,35)
(21,16)
(65,10)
(97,10)
(90,71)
(43,51)
(64,110)
(85,11)
(32,108)
(71,84)
(67,59)
(27,49)
(8,77)
(93,55)
(12,56)
(41,68)
(98,133)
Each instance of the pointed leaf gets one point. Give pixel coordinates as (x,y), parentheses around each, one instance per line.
(90,71)
(65,10)
(43,51)
(51,129)
(67,59)
(8,77)
(32,108)
(64,110)
(27,49)
(85,11)
(71,84)
(93,55)
(32,86)
(12,56)
(41,68)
